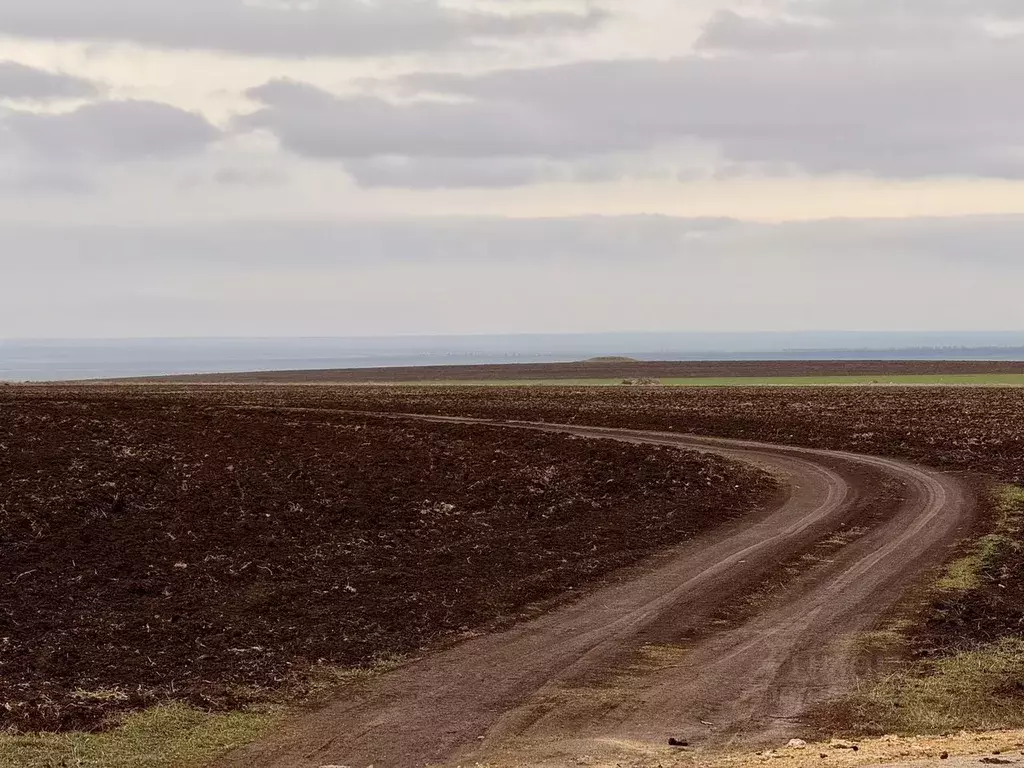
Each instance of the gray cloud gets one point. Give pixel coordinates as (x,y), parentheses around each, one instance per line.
(108,132)
(860,25)
(437,173)
(905,9)
(18,81)
(731,31)
(474,275)
(425,241)
(503,172)
(286,28)
(430,144)
(984,242)
(44,181)
(315,124)
(249,177)
(831,110)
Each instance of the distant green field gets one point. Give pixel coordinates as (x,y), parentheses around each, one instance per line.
(952,380)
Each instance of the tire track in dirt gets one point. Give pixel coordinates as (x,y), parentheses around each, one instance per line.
(526,696)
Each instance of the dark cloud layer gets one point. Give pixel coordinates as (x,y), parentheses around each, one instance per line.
(905,116)
(318,125)
(314,244)
(905,89)
(18,81)
(909,89)
(984,242)
(910,9)
(441,172)
(287,28)
(905,26)
(110,131)
(734,32)
(489,275)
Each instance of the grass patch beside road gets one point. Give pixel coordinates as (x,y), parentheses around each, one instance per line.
(173,736)
(971,690)
(991,552)
(176,735)
(968,667)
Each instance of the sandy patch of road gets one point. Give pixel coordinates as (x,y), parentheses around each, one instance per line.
(963,750)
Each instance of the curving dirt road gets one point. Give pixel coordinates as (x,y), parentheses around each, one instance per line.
(635,662)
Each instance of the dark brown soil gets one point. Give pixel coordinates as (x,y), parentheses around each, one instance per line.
(969,429)
(978,430)
(570,683)
(962,429)
(167,548)
(611,368)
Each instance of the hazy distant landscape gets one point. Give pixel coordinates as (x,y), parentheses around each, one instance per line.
(65,360)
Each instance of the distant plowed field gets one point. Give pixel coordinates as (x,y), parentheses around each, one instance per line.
(980,430)
(621,370)
(168,548)
(958,428)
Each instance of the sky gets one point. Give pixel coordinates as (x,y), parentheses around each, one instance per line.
(379,167)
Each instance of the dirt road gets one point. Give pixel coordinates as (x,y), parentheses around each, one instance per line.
(638,661)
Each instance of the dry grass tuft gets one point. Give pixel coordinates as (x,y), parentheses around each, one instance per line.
(975,690)
(173,736)
(955,684)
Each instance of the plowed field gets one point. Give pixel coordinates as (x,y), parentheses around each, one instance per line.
(979,430)
(971,429)
(618,369)
(157,548)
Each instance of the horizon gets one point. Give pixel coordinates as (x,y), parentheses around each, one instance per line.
(98,358)
(538,334)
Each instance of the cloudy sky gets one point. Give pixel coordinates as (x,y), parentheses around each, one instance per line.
(369,167)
